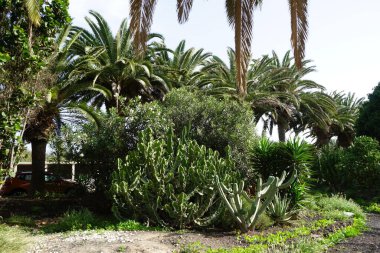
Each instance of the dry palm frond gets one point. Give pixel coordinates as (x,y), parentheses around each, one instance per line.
(141,21)
(183,10)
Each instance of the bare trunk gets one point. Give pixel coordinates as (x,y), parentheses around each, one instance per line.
(38,166)
(281,132)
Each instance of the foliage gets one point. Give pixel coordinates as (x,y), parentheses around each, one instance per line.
(240,17)
(12,124)
(246,218)
(109,60)
(180,67)
(373,208)
(169,181)
(369,116)
(98,148)
(20,221)
(279,209)
(215,123)
(270,158)
(336,202)
(355,170)
(84,219)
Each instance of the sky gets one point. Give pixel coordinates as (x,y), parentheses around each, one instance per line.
(343,41)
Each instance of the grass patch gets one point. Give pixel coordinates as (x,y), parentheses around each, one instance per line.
(13,239)
(85,220)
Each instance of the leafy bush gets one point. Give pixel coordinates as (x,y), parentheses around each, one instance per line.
(355,170)
(214,123)
(169,181)
(96,149)
(271,158)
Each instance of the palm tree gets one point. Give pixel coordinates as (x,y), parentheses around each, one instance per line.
(240,17)
(110,61)
(302,99)
(343,120)
(180,67)
(58,88)
(277,92)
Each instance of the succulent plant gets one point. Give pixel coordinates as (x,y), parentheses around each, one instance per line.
(265,193)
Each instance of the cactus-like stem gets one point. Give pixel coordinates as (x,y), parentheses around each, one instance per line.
(263,197)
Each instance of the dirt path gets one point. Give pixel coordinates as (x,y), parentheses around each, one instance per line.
(369,241)
(124,241)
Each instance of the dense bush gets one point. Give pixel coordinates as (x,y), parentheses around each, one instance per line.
(369,116)
(215,123)
(97,148)
(355,170)
(272,158)
(212,122)
(170,181)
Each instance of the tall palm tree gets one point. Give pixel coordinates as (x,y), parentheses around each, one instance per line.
(58,90)
(110,61)
(240,17)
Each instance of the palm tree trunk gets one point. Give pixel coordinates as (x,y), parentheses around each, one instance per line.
(281,132)
(38,166)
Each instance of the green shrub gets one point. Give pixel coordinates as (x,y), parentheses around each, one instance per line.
(373,208)
(328,169)
(96,149)
(340,203)
(75,220)
(170,181)
(271,158)
(215,123)
(355,170)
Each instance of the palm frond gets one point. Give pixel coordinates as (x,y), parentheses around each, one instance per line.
(141,14)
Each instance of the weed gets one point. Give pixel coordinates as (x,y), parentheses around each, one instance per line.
(12,239)
(373,208)
(20,221)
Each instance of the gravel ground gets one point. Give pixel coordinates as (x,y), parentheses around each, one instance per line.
(369,241)
(120,241)
(162,242)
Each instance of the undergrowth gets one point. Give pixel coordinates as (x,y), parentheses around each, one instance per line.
(86,220)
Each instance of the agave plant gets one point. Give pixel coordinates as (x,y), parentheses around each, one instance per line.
(279,209)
